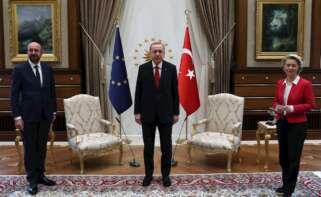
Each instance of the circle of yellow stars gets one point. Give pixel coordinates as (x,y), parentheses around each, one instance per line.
(119,83)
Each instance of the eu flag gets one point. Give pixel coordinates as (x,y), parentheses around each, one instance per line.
(119,93)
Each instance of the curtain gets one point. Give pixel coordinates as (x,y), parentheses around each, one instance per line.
(98,17)
(215,17)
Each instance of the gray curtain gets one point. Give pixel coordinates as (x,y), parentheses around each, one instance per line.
(215,18)
(98,17)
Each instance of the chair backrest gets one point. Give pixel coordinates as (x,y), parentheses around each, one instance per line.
(223,111)
(84,112)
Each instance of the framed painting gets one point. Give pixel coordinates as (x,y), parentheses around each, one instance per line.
(279,28)
(35,20)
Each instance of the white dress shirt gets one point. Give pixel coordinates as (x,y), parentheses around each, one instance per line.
(288,86)
(159,66)
(34,70)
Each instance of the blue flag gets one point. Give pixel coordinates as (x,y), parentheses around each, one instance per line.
(119,92)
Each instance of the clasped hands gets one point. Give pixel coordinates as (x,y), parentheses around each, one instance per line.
(283,109)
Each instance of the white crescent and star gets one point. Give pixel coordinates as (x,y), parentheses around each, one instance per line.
(190,73)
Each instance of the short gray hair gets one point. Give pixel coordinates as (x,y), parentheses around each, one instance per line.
(155,43)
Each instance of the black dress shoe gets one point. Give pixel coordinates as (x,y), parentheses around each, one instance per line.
(279,190)
(32,189)
(45,181)
(147,180)
(167,181)
(286,194)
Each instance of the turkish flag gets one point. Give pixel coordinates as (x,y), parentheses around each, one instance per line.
(187,83)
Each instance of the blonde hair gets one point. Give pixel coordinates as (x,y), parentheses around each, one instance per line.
(295,57)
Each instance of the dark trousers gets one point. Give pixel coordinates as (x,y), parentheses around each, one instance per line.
(291,138)
(34,137)
(165,133)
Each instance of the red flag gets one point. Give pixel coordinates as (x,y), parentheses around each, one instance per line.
(187,84)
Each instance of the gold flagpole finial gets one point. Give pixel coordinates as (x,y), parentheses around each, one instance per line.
(117,21)
(187,14)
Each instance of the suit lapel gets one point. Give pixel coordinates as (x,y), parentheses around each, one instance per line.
(30,73)
(44,74)
(150,71)
(282,93)
(29,70)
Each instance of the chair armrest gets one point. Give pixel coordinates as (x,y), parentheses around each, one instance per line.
(72,130)
(198,123)
(109,124)
(236,129)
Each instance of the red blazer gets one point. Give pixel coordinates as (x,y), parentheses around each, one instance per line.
(301,97)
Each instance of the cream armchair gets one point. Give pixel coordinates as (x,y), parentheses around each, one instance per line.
(223,127)
(87,131)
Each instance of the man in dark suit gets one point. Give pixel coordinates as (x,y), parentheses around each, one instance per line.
(157,105)
(33,102)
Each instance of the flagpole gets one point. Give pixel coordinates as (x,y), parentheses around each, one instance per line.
(188,20)
(187,83)
(119,92)
(121,130)
(178,141)
(186,128)
(132,163)
(187,14)
(120,127)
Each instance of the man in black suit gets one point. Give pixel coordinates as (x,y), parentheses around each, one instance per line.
(33,102)
(157,105)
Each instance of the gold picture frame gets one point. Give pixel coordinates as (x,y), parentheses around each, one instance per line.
(35,20)
(279,28)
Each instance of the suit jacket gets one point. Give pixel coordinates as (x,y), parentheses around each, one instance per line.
(150,101)
(301,97)
(29,99)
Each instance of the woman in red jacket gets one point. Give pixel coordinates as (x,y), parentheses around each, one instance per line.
(293,98)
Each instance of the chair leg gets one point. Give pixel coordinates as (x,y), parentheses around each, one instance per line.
(229,161)
(81,161)
(17,145)
(52,140)
(72,154)
(189,149)
(120,154)
(238,155)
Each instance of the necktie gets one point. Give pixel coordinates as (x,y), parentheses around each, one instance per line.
(157,77)
(37,74)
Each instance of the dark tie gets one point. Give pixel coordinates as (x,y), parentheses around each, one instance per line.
(157,77)
(37,74)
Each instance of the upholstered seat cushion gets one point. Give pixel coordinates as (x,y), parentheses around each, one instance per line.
(93,141)
(215,140)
